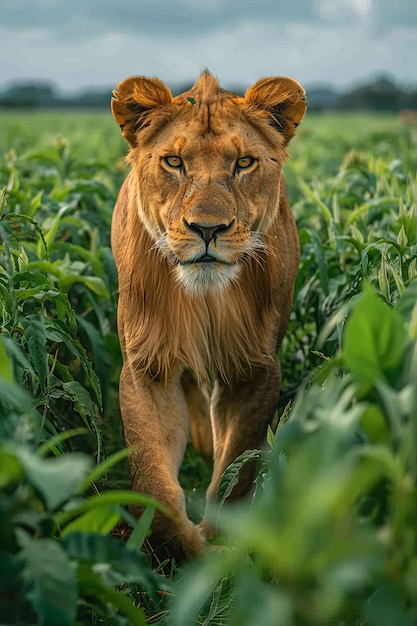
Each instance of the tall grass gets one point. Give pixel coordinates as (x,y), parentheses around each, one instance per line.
(329,536)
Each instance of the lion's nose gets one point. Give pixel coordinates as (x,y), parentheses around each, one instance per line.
(206,231)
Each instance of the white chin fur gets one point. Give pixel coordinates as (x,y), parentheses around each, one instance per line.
(201,278)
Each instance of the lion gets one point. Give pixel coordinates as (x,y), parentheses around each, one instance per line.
(207,253)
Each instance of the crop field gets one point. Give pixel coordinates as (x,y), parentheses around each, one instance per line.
(330,534)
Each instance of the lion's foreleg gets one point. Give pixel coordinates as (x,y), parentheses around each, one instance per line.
(156,430)
(240,416)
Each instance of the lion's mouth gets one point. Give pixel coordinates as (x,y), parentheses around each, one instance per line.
(205,258)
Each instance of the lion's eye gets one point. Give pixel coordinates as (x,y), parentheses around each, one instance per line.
(244,162)
(173,161)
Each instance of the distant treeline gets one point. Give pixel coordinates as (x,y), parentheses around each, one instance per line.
(380,94)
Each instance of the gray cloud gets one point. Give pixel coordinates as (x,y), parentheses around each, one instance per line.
(174,18)
(85,43)
(387,15)
(79,19)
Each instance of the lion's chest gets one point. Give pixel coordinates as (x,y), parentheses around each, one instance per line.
(225,336)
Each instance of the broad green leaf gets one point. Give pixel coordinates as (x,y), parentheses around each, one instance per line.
(374,424)
(50,576)
(44,292)
(96,284)
(23,371)
(19,422)
(100,352)
(47,268)
(222,602)
(88,186)
(114,562)
(65,311)
(57,331)
(34,292)
(98,521)
(197,588)
(10,469)
(55,479)
(27,278)
(5,368)
(230,477)
(374,339)
(34,328)
(76,251)
(117,497)
(86,408)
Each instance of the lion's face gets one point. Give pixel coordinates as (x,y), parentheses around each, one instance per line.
(207,165)
(206,196)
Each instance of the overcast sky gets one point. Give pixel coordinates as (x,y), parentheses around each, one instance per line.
(97,43)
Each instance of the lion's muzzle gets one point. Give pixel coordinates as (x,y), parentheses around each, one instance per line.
(207,230)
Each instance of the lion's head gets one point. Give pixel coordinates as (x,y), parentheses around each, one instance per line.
(207,169)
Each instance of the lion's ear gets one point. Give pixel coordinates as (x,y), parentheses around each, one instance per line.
(134,98)
(283,98)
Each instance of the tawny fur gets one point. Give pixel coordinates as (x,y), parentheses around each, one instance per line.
(181,317)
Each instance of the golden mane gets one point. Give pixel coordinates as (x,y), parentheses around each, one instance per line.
(165,326)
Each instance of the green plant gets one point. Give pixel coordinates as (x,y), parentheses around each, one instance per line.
(58,285)
(359,225)
(59,565)
(330,537)
(58,347)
